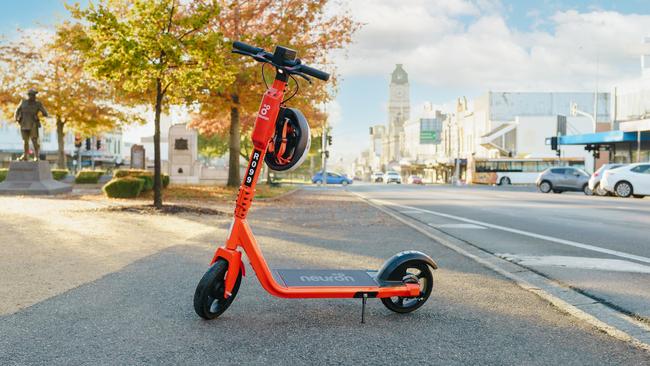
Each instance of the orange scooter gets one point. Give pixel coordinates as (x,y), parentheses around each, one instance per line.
(281,139)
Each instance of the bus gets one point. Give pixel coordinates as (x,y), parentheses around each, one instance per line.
(515,171)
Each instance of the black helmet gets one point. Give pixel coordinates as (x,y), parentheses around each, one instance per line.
(291,142)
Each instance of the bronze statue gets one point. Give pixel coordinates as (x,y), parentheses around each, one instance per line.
(27,118)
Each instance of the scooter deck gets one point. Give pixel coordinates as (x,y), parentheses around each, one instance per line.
(326,277)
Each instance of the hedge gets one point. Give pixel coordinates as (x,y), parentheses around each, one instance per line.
(89,176)
(145,175)
(126,187)
(59,174)
(3,174)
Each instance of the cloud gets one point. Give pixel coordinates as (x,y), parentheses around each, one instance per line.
(468,45)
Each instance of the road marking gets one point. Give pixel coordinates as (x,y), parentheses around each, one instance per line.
(457,226)
(522,232)
(411,212)
(611,321)
(598,264)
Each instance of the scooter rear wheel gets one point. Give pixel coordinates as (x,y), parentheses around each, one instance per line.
(413,272)
(209,300)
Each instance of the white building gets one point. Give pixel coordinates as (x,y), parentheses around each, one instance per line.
(422,137)
(514,124)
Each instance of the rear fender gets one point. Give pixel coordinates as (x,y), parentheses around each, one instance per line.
(401,258)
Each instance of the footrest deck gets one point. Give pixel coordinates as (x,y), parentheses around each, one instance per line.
(326,277)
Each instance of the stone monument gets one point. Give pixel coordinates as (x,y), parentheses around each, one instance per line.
(138,160)
(31,177)
(183,153)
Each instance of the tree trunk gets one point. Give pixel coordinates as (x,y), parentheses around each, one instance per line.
(157,191)
(60,138)
(234,144)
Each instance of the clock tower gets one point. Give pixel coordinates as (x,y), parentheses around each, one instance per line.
(399,110)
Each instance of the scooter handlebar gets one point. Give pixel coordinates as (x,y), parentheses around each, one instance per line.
(322,75)
(246,47)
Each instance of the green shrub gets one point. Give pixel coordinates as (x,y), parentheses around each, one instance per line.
(121,173)
(145,175)
(3,174)
(126,187)
(59,174)
(147,179)
(88,176)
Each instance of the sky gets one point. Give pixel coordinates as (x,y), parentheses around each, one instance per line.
(453,48)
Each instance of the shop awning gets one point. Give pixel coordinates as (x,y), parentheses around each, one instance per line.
(603,138)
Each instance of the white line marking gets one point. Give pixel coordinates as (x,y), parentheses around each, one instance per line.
(599,264)
(411,212)
(522,232)
(457,226)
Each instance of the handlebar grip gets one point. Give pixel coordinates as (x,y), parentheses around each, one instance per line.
(246,47)
(322,75)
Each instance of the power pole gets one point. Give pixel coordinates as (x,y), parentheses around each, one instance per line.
(324,154)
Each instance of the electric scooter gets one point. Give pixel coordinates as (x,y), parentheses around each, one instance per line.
(403,283)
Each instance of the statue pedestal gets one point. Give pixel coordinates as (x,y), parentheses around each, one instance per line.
(31,178)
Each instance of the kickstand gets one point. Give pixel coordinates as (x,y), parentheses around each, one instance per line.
(363,308)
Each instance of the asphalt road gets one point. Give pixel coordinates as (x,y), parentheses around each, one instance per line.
(597,245)
(142,314)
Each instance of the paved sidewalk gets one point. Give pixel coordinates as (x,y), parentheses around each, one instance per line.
(142,313)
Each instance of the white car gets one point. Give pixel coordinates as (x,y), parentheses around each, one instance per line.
(377,177)
(629,180)
(392,177)
(594,181)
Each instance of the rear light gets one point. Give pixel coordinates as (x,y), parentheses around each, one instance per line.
(596,174)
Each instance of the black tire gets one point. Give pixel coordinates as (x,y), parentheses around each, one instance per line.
(408,271)
(505,181)
(209,301)
(319,182)
(638,196)
(545,186)
(599,191)
(344,183)
(623,189)
(587,191)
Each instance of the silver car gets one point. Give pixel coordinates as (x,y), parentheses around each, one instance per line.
(563,179)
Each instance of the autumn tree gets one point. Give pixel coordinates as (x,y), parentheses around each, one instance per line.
(305,26)
(45,61)
(155,52)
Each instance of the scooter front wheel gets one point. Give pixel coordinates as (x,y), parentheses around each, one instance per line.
(209,297)
(411,272)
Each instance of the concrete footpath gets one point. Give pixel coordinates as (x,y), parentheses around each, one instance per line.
(140,312)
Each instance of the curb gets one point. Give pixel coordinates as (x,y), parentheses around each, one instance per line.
(610,321)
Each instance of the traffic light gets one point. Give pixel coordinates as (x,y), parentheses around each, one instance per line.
(329,140)
(327,154)
(554,143)
(99,144)
(77,141)
(88,145)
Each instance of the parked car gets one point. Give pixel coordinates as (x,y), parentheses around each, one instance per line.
(629,180)
(414,179)
(332,178)
(563,179)
(392,177)
(594,181)
(377,177)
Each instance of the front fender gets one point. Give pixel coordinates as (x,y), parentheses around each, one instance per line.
(403,258)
